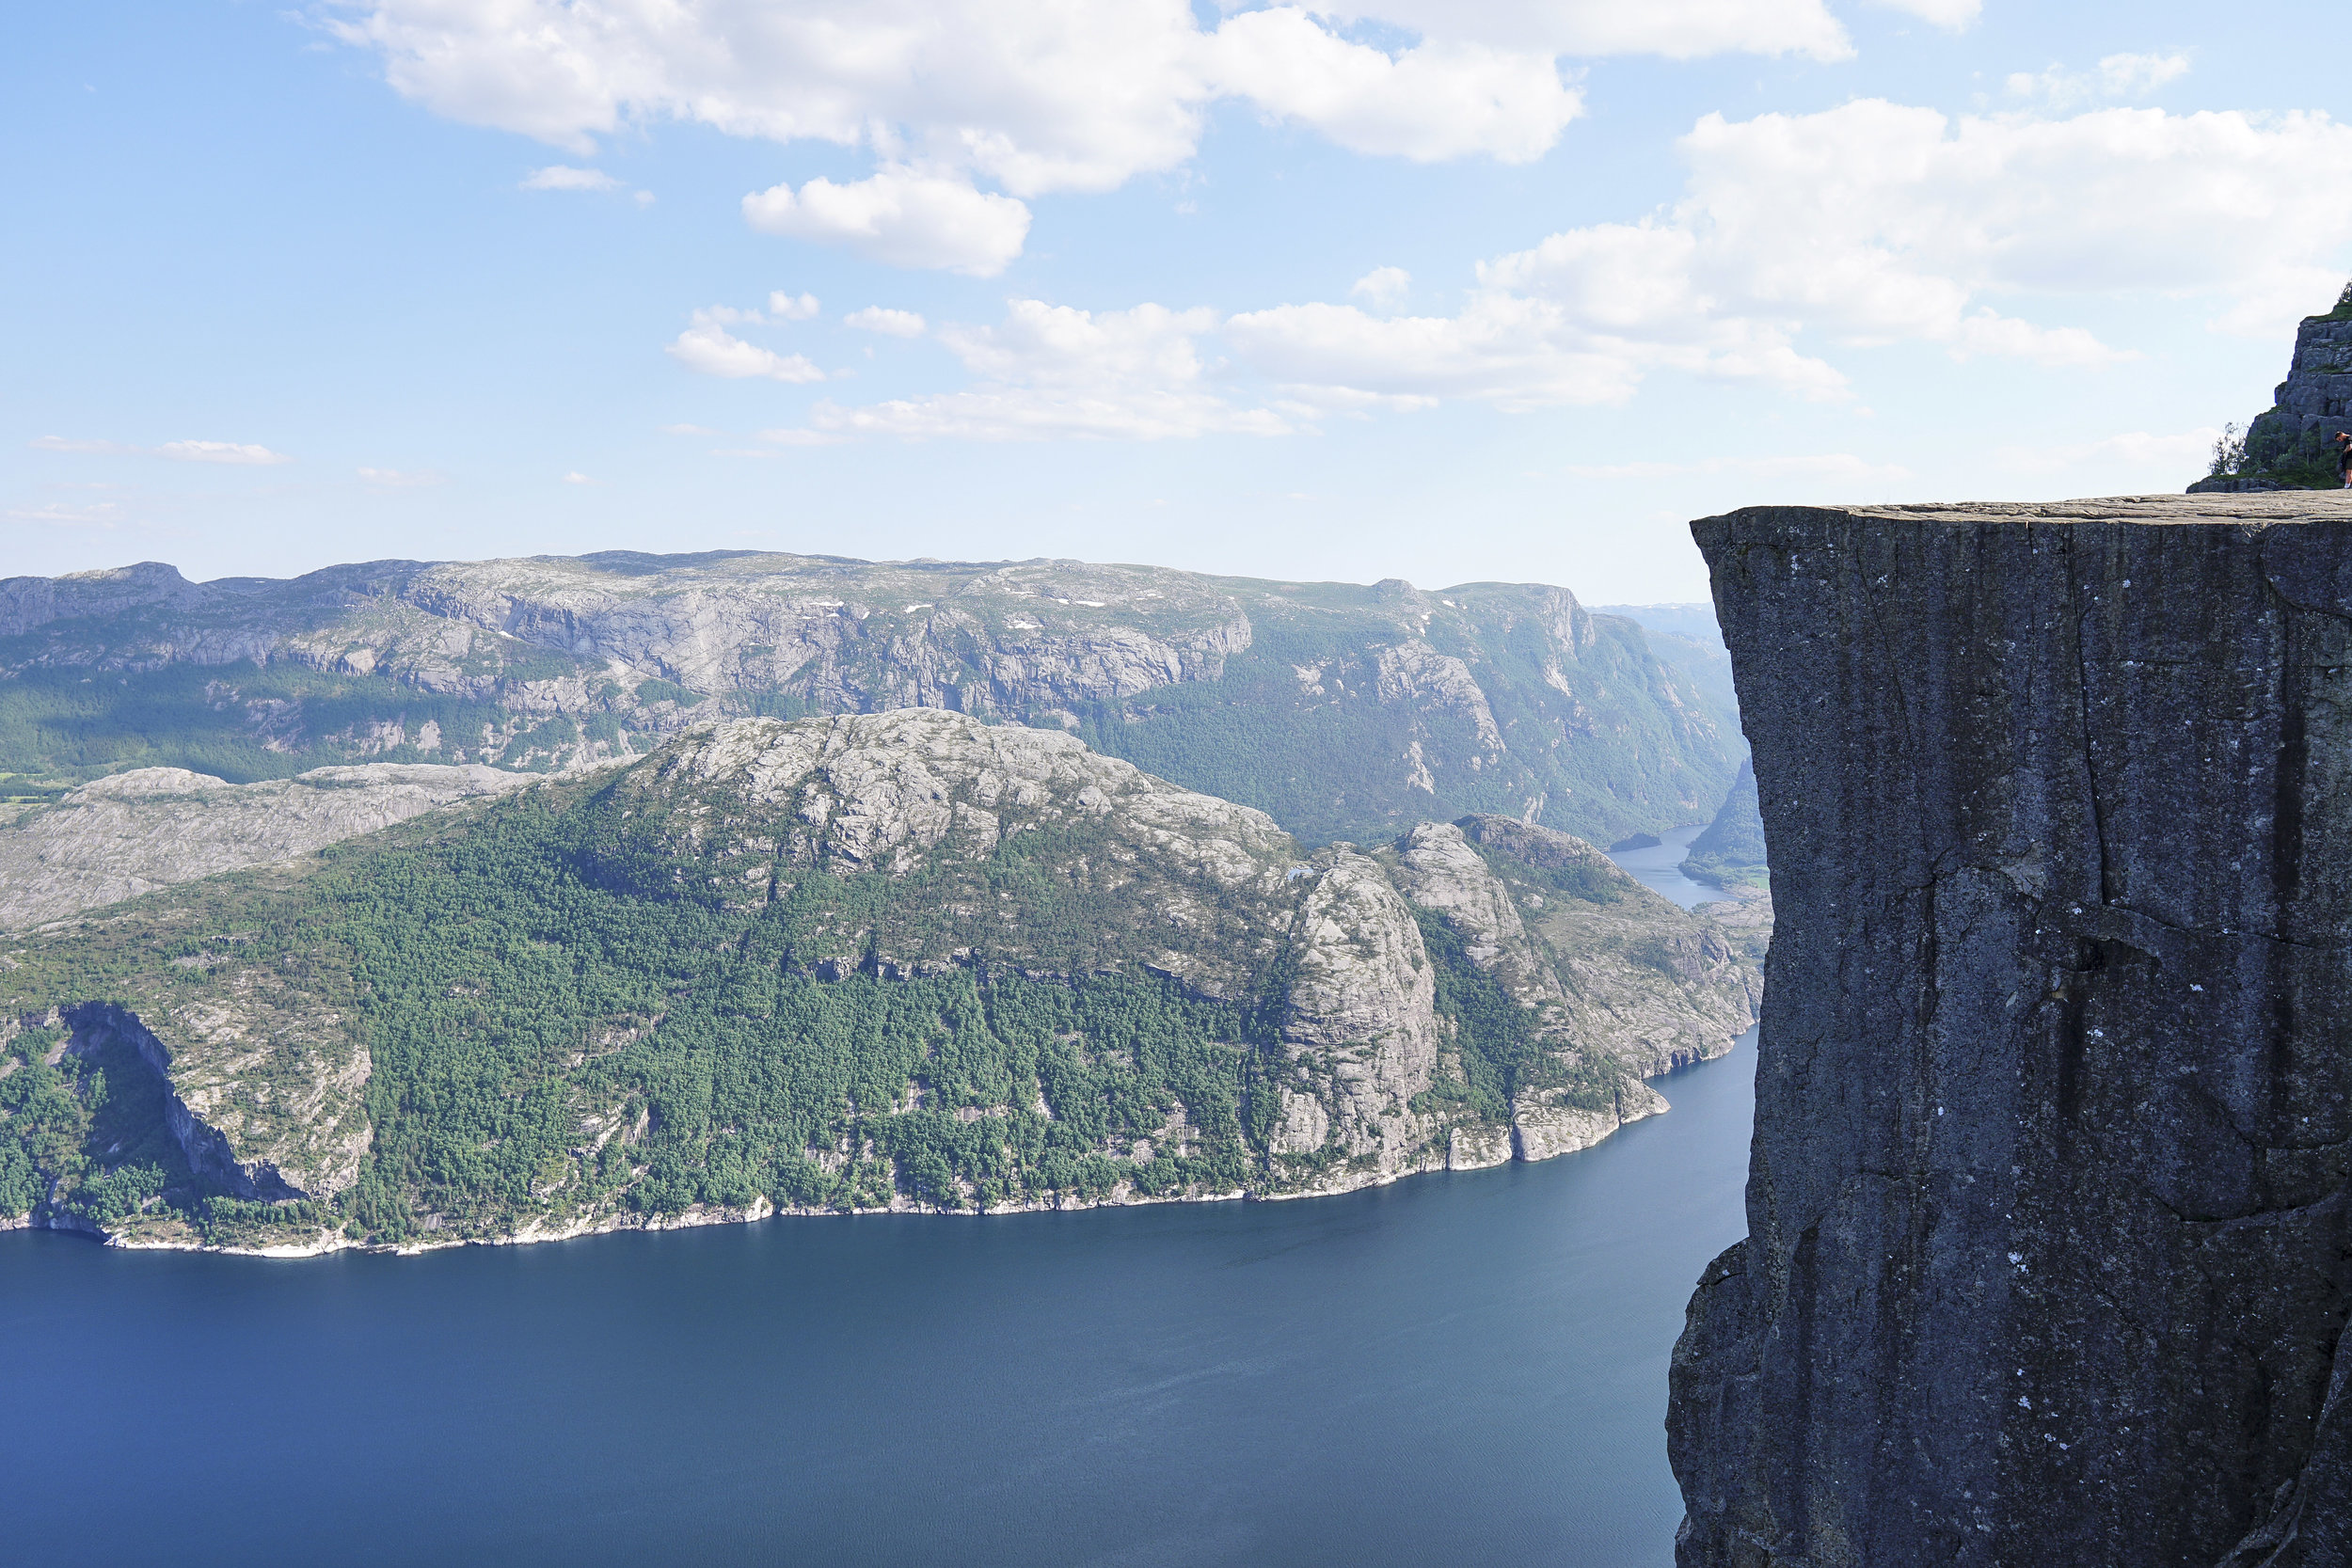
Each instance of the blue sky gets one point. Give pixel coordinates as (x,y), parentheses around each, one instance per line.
(1494,289)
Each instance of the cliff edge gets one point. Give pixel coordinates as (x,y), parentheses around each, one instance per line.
(2048,1256)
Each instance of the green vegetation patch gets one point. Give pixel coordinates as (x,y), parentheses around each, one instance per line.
(562,1026)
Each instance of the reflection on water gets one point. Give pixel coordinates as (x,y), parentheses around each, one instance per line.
(1453,1368)
(1654,867)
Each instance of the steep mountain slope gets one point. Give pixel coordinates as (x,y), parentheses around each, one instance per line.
(1344,711)
(896,960)
(1729,851)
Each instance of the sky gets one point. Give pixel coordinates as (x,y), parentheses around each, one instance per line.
(1444,290)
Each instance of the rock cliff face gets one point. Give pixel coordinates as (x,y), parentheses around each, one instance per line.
(2287,445)
(905,959)
(129,833)
(2050,1250)
(1345,711)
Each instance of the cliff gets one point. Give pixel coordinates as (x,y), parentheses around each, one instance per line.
(901,961)
(2048,1248)
(2287,445)
(1344,711)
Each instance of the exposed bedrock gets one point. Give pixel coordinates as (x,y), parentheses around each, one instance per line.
(2048,1256)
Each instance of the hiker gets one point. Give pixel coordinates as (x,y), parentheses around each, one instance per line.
(2343,457)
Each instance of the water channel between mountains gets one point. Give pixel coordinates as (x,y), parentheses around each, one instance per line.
(1452,1369)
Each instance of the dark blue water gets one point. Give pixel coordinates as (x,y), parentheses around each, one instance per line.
(1452,1369)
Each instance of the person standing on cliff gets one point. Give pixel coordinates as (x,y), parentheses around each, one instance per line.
(2343,457)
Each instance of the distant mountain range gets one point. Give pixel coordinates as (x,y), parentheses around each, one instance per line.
(1345,712)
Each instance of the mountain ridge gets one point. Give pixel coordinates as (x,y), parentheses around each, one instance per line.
(1347,711)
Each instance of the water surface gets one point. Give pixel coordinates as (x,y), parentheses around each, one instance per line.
(1656,868)
(1451,1370)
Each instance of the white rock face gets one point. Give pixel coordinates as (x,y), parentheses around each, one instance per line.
(133,832)
(1363,1033)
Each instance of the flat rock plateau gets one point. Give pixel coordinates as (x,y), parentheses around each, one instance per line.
(900,960)
(2049,1259)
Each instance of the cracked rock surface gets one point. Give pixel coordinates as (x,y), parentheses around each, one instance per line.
(2050,1249)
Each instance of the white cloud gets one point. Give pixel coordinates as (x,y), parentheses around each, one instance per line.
(575,477)
(791,308)
(2118,76)
(1049,371)
(1678,29)
(899,216)
(397,478)
(1036,97)
(1954,14)
(1437,100)
(561,177)
(707,346)
(894,323)
(1382,286)
(241,452)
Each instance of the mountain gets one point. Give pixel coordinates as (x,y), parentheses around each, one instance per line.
(2287,446)
(1343,711)
(1729,851)
(899,960)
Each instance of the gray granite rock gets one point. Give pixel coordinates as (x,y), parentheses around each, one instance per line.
(2050,1248)
(133,833)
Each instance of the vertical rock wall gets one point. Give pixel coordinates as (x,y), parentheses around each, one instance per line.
(2049,1255)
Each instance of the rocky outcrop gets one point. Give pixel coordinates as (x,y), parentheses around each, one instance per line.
(133,833)
(2048,1220)
(2289,444)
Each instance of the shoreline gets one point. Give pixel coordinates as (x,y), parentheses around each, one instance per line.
(699,1217)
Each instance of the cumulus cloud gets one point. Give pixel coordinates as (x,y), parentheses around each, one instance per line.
(1954,14)
(901,217)
(562,177)
(1049,371)
(893,324)
(1678,29)
(708,347)
(1869,224)
(1382,286)
(1075,95)
(1437,101)
(2118,76)
(791,308)
(99,514)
